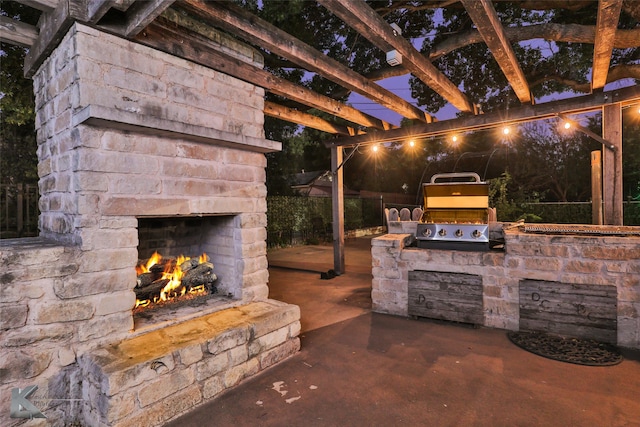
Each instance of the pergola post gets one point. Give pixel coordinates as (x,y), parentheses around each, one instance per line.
(596,187)
(612,164)
(337,205)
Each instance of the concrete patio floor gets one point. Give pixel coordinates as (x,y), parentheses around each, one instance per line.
(358,368)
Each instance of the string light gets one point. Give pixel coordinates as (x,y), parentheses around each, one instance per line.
(412,143)
(375,148)
(454,138)
(506,130)
(567,125)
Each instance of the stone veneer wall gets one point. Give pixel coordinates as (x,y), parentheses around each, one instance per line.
(613,261)
(126,131)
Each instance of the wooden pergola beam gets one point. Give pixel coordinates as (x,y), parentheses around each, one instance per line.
(96,9)
(606,26)
(272,109)
(485,17)
(42,5)
(16,32)
(358,15)
(53,26)
(257,31)
(524,113)
(142,13)
(187,44)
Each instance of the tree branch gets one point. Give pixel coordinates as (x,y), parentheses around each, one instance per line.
(553,32)
(617,72)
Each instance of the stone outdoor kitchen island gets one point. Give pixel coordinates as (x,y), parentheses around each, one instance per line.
(582,281)
(128,135)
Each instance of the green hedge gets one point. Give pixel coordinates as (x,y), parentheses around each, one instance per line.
(293,220)
(299,220)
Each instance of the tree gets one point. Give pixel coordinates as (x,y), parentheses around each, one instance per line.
(559,60)
(554,164)
(18,162)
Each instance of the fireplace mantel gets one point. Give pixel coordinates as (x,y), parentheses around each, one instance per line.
(136,120)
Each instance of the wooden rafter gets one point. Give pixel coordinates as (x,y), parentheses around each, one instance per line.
(358,15)
(185,43)
(43,5)
(16,32)
(142,13)
(257,31)
(96,9)
(137,16)
(606,25)
(486,19)
(53,26)
(294,116)
(524,113)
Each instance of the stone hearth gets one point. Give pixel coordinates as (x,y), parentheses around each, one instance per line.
(127,133)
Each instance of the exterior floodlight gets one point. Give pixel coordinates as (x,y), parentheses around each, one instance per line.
(394,58)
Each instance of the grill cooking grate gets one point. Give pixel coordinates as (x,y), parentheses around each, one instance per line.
(581,229)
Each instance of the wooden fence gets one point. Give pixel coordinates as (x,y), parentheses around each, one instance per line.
(18,210)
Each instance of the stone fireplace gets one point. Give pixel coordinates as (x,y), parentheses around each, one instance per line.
(140,151)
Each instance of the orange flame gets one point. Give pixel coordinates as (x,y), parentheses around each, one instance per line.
(172,272)
(144,268)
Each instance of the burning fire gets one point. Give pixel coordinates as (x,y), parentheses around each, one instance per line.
(173,275)
(144,268)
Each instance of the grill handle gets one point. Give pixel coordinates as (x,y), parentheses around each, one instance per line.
(473,175)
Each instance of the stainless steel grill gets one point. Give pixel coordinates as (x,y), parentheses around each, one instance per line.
(456,213)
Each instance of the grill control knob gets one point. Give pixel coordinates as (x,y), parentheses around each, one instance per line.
(442,232)
(459,233)
(426,232)
(476,234)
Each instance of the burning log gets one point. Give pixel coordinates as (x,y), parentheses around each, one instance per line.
(150,291)
(174,277)
(144,279)
(147,278)
(201,274)
(189,264)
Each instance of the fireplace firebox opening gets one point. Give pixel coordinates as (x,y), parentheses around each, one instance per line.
(186,265)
